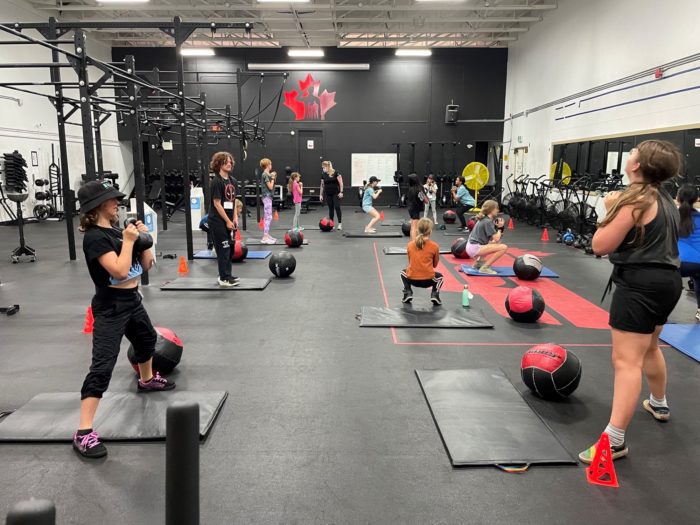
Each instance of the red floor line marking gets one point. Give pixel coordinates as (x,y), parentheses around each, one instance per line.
(381,281)
(444,343)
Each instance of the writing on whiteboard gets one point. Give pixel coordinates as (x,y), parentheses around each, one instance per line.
(366,165)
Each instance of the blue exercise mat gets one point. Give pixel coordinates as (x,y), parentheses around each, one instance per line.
(503,271)
(684,338)
(211,254)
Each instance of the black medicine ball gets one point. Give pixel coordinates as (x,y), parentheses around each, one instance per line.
(459,248)
(449,217)
(406,228)
(293,238)
(325,224)
(239,252)
(524,304)
(527,267)
(550,371)
(168,352)
(282,264)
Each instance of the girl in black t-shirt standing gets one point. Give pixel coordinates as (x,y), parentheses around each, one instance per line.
(222,217)
(415,202)
(332,190)
(115,266)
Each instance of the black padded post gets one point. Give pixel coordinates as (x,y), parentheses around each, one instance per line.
(182,464)
(32,512)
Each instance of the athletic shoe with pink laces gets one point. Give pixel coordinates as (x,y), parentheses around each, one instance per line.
(155,384)
(89,445)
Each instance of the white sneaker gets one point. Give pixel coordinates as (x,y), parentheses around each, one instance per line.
(269,240)
(340,227)
(697,315)
(225,283)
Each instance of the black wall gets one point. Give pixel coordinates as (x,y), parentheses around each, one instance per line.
(397,100)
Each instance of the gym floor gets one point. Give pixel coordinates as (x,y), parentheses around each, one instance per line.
(325,421)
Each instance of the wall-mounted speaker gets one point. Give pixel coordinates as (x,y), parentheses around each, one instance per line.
(451,113)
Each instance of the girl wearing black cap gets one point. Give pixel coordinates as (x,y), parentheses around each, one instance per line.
(415,202)
(371,192)
(114,267)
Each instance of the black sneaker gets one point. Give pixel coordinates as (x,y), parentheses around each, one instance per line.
(156,384)
(659,413)
(89,445)
(616,452)
(407,296)
(233,280)
(435,298)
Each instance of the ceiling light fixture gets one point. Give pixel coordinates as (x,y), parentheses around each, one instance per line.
(413,52)
(310,66)
(197,52)
(308,52)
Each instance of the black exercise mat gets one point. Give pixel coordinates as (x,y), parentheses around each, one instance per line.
(456,234)
(393,222)
(278,242)
(401,250)
(282,228)
(122,416)
(209,283)
(483,420)
(377,234)
(409,316)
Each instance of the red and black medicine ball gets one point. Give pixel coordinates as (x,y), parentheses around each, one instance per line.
(168,352)
(550,371)
(449,217)
(470,224)
(459,248)
(239,252)
(524,304)
(326,224)
(293,238)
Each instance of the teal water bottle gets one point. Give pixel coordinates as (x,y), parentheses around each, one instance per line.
(465,296)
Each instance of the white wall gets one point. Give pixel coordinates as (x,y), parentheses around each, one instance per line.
(32,125)
(582,45)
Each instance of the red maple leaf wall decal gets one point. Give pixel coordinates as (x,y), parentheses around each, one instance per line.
(307,103)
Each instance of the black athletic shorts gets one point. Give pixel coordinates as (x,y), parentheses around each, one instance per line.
(644,297)
(415,213)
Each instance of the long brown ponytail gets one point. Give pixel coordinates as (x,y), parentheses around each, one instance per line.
(687,197)
(659,160)
(486,208)
(424,227)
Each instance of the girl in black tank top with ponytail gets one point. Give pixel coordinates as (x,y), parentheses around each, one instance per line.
(640,235)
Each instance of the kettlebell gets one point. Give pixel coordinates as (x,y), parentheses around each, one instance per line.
(144,242)
(568,238)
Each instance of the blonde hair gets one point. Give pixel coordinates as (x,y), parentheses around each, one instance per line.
(294,176)
(659,160)
(424,227)
(218,160)
(265,163)
(328,164)
(486,208)
(239,206)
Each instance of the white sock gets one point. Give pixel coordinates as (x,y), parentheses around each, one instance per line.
(616,435)
(656,402)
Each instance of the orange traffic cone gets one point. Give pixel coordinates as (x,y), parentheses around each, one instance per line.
(89,321)
(510,224)
(261,224)
(182,269)
(238,235)
(381,216)
(276,216)
(545,235)
(602,470)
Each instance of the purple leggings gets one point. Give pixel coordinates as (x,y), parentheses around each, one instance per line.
(267,206)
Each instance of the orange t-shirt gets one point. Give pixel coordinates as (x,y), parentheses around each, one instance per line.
(422,263)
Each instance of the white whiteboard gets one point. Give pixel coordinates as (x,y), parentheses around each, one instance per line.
(366,165)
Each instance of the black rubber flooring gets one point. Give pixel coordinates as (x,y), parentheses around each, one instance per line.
(325,421)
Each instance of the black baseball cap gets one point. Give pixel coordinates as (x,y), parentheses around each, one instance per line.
(95,192)
(373,179)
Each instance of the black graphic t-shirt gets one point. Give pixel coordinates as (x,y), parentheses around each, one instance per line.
(96,243)
(330,183)
(225,191)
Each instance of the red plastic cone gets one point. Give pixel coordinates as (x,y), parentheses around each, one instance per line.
(510,224)
(381,216)
(183,266)
(261,224)
(602,470)
(545,235)
(238,235)
(276,216)
(89,321)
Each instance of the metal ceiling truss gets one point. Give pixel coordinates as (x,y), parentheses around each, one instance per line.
(319,23)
